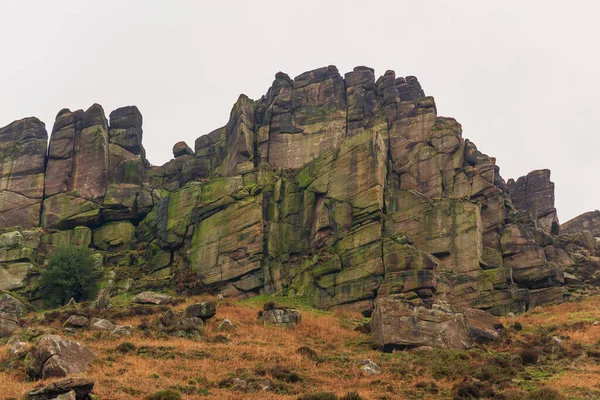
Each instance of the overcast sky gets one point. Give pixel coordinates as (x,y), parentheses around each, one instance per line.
(522,77)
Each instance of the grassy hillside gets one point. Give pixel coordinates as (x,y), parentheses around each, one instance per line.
(547,351)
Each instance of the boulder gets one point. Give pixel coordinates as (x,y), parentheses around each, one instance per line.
(226,326)
(181,149)
(76,388)
(115,236)
(368,367)
(398,324)
(204,310)
(286,317)
(483,327)
(76,321)
(122,330)
(151,298)
(98,324)
(53,356)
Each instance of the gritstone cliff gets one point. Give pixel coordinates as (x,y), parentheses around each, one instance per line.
(336,188)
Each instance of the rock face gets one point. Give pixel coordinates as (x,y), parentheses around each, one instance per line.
(340,189)
(22,157)
(589,221)
(54,356)
(11,311)
(534,193)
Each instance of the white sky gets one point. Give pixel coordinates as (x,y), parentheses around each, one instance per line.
(522,77)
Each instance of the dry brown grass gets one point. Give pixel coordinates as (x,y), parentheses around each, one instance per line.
(250,346)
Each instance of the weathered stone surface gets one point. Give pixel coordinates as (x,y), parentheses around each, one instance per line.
(79,387)
(151,298)
(589,221)
(10,305)
(114,236)
(99,324)
(22,156)
(14,276)
(396,323)
(76,321)
(534,193)
(53,356)
(122,330)
(483,327)
(286,317)
(181,149)
(204,310)
(337,189)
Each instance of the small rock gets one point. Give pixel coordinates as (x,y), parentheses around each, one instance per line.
(76,321)
(220,296)
(122,330)
(240,384)
(226,326)
(287,317)
(510,315)
(595,323)
(151,298)
(79,387)
(204,310)
(101,324)
(265,385)
(368,367)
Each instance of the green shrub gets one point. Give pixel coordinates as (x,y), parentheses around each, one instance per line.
(319,396)
(165,395)
(70,274)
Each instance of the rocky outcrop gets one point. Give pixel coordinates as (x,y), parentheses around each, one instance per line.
(589,221)
(534,194)
(22,158)
(340,189)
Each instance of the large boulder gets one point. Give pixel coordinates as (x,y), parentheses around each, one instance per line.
(53,356)
(398,324)
(80,387)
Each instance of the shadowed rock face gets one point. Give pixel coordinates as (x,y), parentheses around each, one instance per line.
(336,188)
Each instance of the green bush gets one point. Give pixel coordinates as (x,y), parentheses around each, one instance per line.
(70,274)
